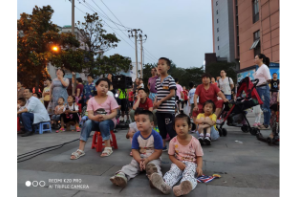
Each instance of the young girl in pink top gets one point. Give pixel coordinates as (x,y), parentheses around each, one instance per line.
(186,153)
(102,110)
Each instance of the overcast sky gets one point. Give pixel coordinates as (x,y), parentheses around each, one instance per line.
(178,29)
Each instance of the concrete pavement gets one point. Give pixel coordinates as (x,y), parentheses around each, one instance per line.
(247,169)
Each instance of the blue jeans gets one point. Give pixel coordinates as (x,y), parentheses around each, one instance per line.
(104,127)
(264,94)
(214,134)
(229,97)
(152,96)
(27,120)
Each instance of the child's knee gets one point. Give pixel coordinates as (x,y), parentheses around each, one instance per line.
(151,168)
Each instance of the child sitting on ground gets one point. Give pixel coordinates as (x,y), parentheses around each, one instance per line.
(59,109)
(186,153)
(146,149)
(207,122)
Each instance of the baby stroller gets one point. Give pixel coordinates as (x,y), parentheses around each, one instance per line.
(234,111)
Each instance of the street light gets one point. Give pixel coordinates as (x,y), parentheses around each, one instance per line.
(55,48)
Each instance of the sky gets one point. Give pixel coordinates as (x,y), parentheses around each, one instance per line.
(180,30)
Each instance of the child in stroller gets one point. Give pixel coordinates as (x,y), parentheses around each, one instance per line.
(234,111)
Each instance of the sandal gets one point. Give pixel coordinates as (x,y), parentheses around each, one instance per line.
(78,129)
(107,152)
(77,155)
(60,130)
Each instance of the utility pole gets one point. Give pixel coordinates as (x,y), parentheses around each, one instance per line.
(134,33)
(141,36)
(73,32)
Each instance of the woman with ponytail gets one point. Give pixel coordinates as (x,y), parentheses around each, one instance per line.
(263,74)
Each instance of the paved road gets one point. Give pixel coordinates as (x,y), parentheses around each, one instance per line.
(252,168)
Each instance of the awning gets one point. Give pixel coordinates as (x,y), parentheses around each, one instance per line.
(254,45)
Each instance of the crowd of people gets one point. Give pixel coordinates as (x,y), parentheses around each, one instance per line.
(165,113)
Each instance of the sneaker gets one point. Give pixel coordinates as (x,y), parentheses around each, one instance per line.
(264,127)
(207,140)
(119,179)
(255,125)
(60,130)
(165,148)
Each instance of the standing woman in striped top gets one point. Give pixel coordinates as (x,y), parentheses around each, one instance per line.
(165,100)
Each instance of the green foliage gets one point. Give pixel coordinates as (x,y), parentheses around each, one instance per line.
(112,64)
(95,40)
(214,69)
(36,35)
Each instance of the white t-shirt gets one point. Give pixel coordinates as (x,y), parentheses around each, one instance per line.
(141,85)
(109,93)
(73,107)
(224,85)
(191,95)
(263,74)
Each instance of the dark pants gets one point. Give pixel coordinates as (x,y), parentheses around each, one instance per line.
(46,103)
(75,117)
(27,120)
(165,123)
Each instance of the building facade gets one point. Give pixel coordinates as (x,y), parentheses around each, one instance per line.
(223,30)
(244,28)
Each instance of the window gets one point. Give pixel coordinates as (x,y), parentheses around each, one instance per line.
(216,11)
(216,2)
(256,44)
(218,47)
(255,10)
(217,29)
(217,20)
(218,38)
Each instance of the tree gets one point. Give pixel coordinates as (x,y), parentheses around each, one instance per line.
(36,35)
(214,69)
(95,39)
(112,64)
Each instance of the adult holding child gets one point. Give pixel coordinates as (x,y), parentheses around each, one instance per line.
(102,110)
(58,89)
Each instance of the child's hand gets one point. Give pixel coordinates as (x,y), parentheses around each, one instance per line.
(145,162)
(199,171)
(157,104)
(181,166)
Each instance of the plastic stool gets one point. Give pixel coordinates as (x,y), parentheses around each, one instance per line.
(98,143)
(19,128)
(40,127)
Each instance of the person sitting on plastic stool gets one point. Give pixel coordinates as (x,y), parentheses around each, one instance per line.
(34,113)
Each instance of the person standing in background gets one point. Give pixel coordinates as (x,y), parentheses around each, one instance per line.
(46,94)
(226,84)
(264,76)
(89,90)
(79,89)
(179,93)
(213,81)
(58,89)
(151,84)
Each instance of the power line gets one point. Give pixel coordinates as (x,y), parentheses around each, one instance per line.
(93,10)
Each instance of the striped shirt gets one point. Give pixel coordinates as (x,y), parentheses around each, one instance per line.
(163,89)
